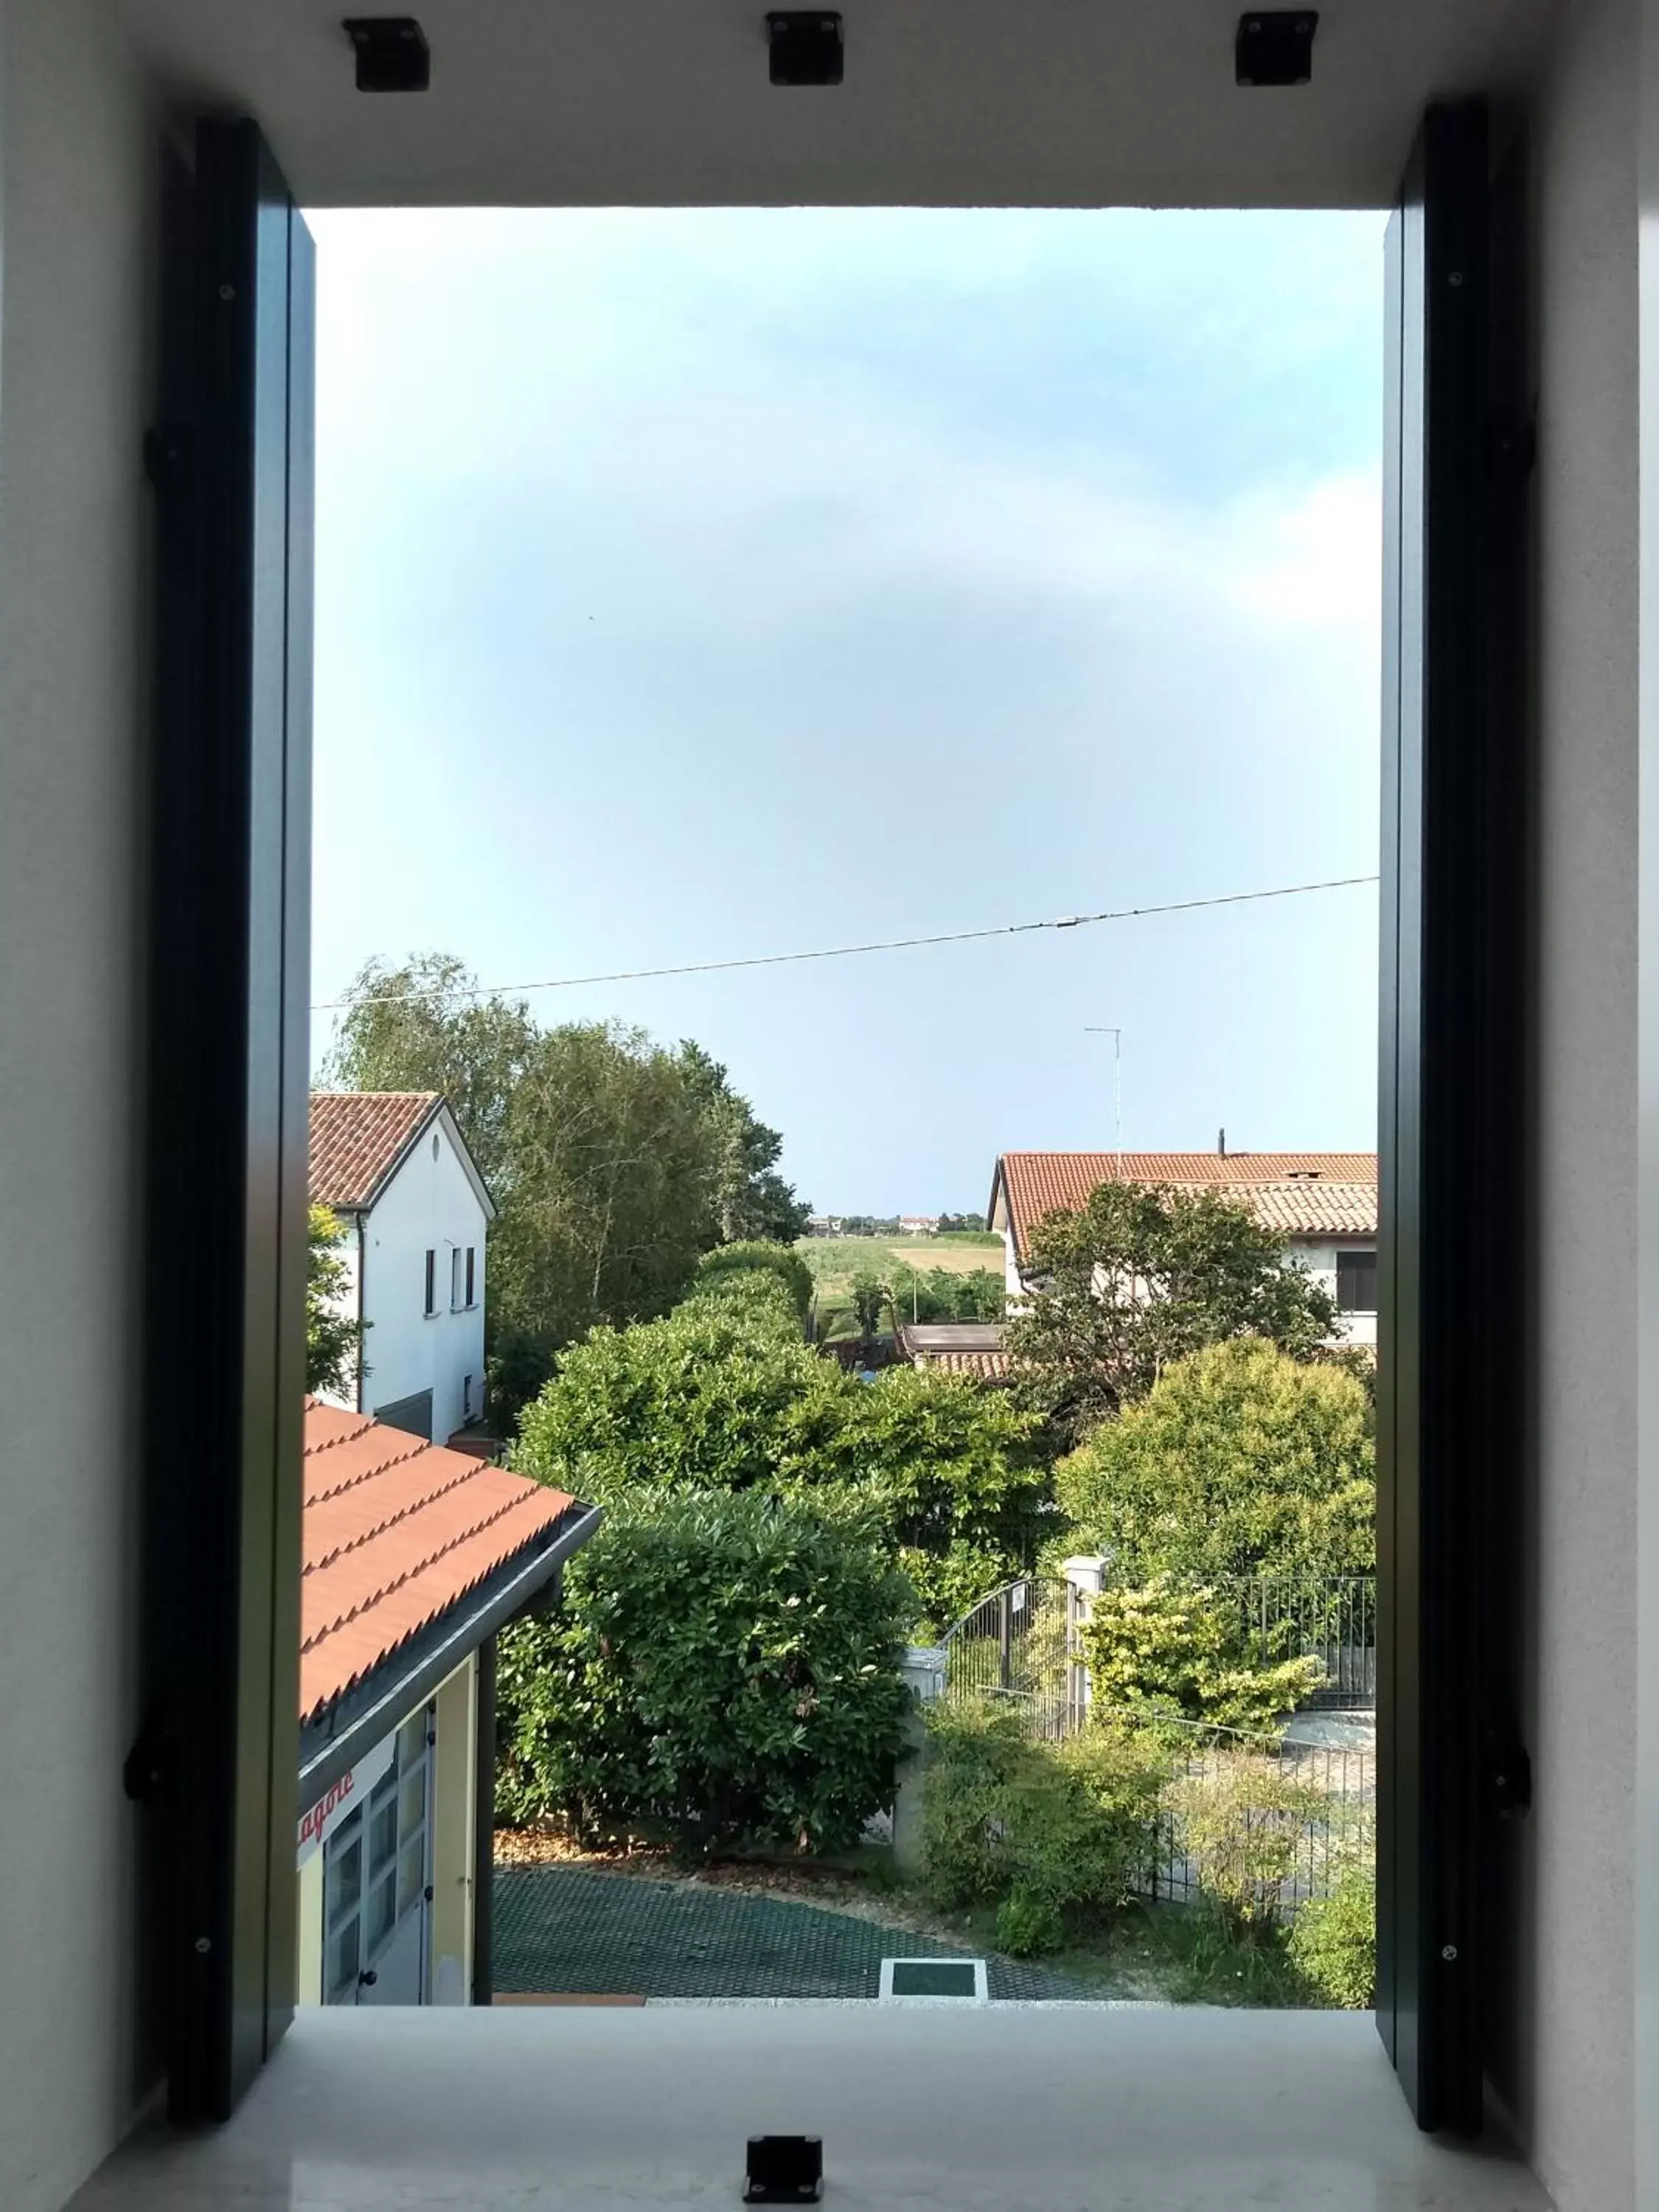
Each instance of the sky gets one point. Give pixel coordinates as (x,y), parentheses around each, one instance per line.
(701,584)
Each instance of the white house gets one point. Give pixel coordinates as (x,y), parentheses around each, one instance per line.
(1323,1204)
(415,1211)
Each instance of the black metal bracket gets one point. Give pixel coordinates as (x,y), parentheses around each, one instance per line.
(784,2170)
(392,54)
(808,46)
(150,1770)
(1275,47)
(1508,1780)
(167,458)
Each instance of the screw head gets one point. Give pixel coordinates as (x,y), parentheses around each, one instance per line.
(203,1944)
(1455,278)
(227,291)
(1449,1951)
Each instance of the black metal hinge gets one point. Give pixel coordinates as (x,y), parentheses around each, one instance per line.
(150,1768)
(167,458)
(1508,1780)
(1514,446)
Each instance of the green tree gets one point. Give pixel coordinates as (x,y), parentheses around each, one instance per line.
(1239,1461)
(612,1195)
(334,1337)
(614,1162)
(423,1025)
(943,1294)
(871,1298)
(724,1671)
(723,1395)
(1140,1278)
(752,1201)
(712,1397)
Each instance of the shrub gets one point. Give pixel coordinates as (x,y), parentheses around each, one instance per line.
(1333,1942)
(1068,1827)
(1178,1648)
(778,1261)
(946,1294)
(711,1397)
(750,1294)
(1027,1924)
(950,1468)
(1239,1461)
(724,1672)
(719,1397)
(1242,1822)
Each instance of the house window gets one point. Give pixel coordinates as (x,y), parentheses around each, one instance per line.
(1356,1282)
(431,1283)
(471,1293)
(457,1281)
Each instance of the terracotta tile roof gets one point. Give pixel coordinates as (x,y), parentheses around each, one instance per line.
(989,1366)
(393,1531)
(358,1137)
(1299,1193)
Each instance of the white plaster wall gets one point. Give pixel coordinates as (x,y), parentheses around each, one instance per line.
(429,1204)
(1319,1260)
(1576,2091)
(79,155)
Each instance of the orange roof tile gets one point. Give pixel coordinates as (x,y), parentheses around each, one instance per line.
(357,1139)
(1297,1194)
(393,1531)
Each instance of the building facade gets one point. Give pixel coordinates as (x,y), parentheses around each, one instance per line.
(415,1216)
(1322,1204)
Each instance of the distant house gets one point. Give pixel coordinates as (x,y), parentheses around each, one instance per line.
(393,1166)
(1322,1204)
(413,1556)
(918,1224)
(956,1347)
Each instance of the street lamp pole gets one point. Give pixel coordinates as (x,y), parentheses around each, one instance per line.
(1116,1035)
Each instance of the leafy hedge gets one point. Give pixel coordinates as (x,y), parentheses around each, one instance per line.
(781,1260)
(719,1397)
(1055,1835)
(1181,1649)
(1238,1462)
(723,1672)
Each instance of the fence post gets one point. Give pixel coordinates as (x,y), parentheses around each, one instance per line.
(1005,1639)
(1085,1579)
(922,1668)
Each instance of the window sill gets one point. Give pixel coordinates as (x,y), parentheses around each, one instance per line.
(395,2109)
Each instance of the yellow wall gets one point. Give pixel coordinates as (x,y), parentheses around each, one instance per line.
(453,1827)
(310,1917)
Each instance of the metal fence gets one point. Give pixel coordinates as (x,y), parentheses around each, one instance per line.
(1276,1822)
(1020,1644)
(1277,1819)
(1331,1618)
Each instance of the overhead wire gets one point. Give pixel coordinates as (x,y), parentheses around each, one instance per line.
(840,952)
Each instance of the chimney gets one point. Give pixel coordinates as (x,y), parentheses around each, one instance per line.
(1221,1144)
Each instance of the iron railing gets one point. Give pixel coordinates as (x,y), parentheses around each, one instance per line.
(1331,1618)
(1296,1815)
(1020,1644)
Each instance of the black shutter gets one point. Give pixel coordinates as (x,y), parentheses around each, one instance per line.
(1449,1119)
(232,460)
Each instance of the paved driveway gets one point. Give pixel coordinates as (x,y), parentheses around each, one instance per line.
(576,1931)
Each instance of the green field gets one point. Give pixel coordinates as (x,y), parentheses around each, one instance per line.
(835,1261)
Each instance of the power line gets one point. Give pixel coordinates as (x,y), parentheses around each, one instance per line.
(845,951)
